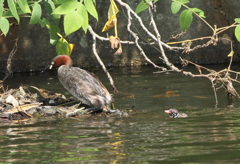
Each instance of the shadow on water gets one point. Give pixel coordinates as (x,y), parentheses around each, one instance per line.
(208,135)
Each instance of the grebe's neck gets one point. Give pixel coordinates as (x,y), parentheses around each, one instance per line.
(62,60)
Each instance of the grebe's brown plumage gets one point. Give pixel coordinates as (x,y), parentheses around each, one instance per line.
(82,84)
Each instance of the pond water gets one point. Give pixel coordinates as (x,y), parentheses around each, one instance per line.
(148,135)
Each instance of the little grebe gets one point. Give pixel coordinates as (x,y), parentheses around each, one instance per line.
(174,113)
(82,84)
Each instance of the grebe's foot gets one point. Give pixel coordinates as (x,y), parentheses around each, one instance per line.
(118,113)
(93,110)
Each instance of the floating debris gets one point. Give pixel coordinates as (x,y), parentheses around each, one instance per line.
(21,104)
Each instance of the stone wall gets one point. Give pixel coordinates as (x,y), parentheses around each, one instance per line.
(34,52)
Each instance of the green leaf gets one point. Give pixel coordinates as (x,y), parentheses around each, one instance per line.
(141,7)
(42,23)
(50,7)
(69,26)
(197,10)
(53,34)
(185,19)
(36,13)
(7,14)
(237,20)
(91,8)
(66,7)
(53,38)
(83,11)
(182,1)
(53,30)
(4,25)
(62,47)
(24,6)
(62,1)
(12,7)
(1,7)
(201,14)
(237,32)
(175,7)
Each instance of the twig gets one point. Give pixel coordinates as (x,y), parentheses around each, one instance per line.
(136,42)
(167,62)
(128,8)
(99,59)
(215,94)
(9,61)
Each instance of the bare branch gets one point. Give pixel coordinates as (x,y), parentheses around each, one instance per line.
(143,26)
(99,59)
(137,44)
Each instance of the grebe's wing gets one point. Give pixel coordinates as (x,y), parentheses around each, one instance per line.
(91,80)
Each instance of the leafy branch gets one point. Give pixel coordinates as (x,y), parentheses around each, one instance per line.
(71,11)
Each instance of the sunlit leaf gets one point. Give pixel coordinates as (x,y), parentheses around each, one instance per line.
(237,32)
(4,25)
(197,10)
(83,11)
(231,54)
(69,26)
(201,14)
(24,6)
(91,8)
(66,7)
(112,18)
(12,7)
(175,7)
(113,9)
(185,19)
(237,20)
(36,13)
(71,46)
(63,47)
(110,23)
(1,7)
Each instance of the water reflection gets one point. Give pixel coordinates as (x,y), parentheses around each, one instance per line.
(208,135)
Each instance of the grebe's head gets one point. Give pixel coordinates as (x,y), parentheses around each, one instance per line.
(61,60)
(172,112)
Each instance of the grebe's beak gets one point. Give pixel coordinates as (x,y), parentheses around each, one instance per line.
(48,67)
(167,111)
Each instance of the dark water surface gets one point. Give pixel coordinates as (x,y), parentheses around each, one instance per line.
(208,135)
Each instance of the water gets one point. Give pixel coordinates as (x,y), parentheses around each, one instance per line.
(208,135)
